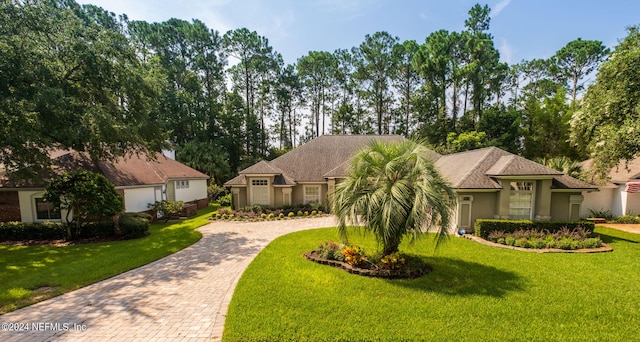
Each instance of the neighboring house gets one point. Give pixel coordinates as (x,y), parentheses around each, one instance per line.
(621,193)
(139,180)
(489,182)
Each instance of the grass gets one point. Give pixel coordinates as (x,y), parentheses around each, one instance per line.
(23,269)
(475,293)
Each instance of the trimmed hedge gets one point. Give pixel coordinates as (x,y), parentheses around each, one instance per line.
(19,231)
(134,225)
(483,227)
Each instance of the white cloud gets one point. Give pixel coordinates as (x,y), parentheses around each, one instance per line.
(495,11)
(506,51)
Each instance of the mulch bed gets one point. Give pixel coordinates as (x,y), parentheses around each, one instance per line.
(603,248)
(369,272)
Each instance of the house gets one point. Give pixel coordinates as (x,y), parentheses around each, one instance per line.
(620,194)
(138,179)
(493,183)
(489,182)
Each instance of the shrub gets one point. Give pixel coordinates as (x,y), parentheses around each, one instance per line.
(313,212)
(291,214)
(353,255)
(603,213)
(225,200)
(627,219)
(563,238)
(483,227)
(393,261)
(214,206)
(271,216)
(330,250)
(16,231)
(167,209)
(263,215)
(98,229)
(306,213)
(134,225)
(300,213)
(281,215)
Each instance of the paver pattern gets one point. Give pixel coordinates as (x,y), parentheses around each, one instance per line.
(184,296)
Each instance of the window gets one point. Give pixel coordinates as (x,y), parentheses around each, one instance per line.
(521,200)
(259,182)
(184,184)
(311,193)
(44,211)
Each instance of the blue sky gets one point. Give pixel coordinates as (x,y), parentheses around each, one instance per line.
(522,29)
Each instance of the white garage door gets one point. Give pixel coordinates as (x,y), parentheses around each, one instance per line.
(260,192)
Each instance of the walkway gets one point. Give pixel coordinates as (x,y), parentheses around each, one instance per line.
(631,228)
(184,296)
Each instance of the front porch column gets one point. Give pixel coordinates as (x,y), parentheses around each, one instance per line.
(542,200)
(331,187)
(504,196)
(235,195)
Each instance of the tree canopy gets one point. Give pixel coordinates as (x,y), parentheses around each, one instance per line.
(71,80)
(608,125)
(79,77)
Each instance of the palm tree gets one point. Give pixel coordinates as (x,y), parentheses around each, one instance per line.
(394,190)
(565,165)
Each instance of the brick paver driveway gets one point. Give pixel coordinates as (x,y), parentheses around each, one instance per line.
(181,297)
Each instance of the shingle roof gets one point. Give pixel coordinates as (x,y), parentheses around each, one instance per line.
(329,157)
(467,170)
(513,165)
(626,171)
(126,171)
(478,169)
(322,157)
(566,182)
(261,168)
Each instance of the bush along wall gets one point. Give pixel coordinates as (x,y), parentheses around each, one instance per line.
(134,225)
(484,227)
(21,231)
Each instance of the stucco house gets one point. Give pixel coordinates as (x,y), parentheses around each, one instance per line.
(489,182)
(137,179)
(620,194)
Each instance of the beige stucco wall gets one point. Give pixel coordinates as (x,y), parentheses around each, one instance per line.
(483,205)
(560,206)
(27,205)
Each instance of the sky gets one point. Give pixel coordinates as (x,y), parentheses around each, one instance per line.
(522,29)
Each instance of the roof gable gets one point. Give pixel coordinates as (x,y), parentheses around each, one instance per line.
(261,168)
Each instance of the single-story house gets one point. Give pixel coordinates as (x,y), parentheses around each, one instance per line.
(138,179)
(489,182)
(620,194)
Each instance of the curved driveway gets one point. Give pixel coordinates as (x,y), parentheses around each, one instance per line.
(184,296)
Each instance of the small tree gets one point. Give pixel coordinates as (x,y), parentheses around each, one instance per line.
(82,194)
(167,208)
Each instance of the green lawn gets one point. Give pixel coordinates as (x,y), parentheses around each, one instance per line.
(26,268)
(475,293)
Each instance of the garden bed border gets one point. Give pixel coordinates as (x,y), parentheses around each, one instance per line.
(601,249)
(387,274)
